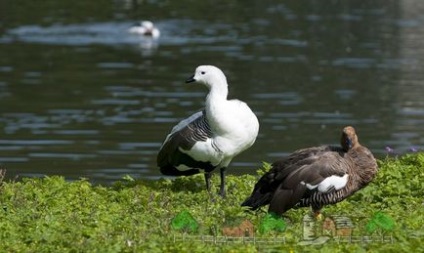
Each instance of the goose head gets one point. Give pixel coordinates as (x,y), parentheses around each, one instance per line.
(349,138)
(208,75)
(147,24)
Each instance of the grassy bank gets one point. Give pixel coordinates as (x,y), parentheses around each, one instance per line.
(53,215)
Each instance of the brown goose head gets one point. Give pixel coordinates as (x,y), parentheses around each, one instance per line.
(349,138)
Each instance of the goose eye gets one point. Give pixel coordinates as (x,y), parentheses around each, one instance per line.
(203,72)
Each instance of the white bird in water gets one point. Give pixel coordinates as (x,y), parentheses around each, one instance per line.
(211,138)
(145,28)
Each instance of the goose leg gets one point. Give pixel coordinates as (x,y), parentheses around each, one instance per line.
(317,212)
(222,191)
(208,176)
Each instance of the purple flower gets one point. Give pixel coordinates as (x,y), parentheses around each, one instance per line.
(389,149)
(413,149)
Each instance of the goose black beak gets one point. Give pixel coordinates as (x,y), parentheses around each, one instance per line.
(191,79)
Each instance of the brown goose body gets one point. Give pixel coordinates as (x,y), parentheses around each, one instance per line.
(315,176)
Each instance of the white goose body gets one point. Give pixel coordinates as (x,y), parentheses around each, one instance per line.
(145,28)
(230,135)
(213,137)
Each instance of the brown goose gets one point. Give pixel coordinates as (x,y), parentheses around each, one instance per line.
(315,176)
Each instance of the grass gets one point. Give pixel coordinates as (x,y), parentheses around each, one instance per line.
(53,215)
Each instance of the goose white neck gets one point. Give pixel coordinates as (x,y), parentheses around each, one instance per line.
(216,104)
(217,92)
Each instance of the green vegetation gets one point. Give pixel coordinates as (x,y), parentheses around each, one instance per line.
(271,222)
(53,215)
(184,221)
(380,221)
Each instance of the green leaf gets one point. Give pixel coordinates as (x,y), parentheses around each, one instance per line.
(380,220)
(272,222)
(184,221)
(128,178)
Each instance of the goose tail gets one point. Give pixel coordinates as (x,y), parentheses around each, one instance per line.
(256,200)
(172,171)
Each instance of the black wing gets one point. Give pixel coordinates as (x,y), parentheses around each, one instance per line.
(184,135)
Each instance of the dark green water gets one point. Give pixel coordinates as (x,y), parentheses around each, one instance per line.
(81,97)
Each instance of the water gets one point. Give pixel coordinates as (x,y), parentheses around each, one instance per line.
(81,97)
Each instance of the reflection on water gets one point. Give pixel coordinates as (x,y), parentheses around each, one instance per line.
(88,99)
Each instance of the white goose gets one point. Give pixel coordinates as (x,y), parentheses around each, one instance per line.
(145,28)
(211,138)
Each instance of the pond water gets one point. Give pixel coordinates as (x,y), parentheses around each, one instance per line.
(80,97)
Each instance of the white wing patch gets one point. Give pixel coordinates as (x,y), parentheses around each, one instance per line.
(332,182)
(204,152)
